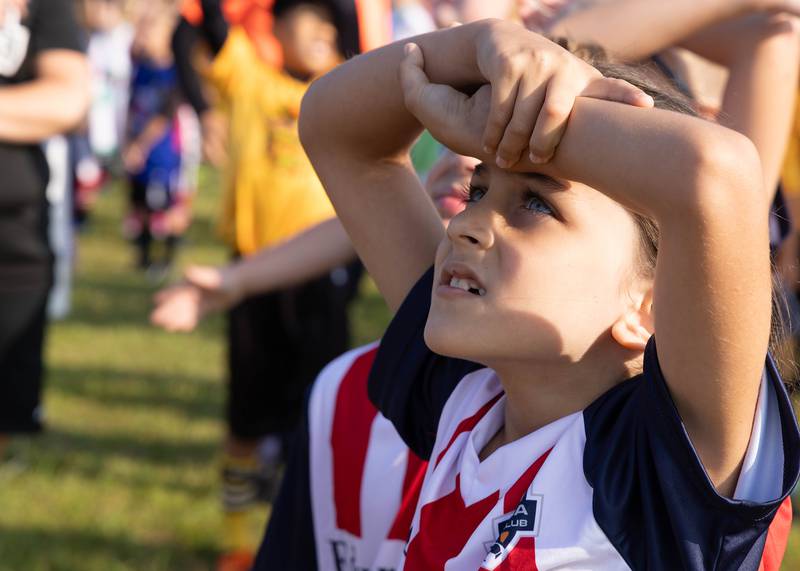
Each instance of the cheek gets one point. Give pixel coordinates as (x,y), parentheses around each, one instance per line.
(567,281)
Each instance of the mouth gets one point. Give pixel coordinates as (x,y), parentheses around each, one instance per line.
(461,278)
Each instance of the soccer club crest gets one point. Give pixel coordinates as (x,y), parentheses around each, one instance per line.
(515,533)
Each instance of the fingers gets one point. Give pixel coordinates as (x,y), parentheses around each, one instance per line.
(204,277)
(552,120)
(504,96)
(412,76)
(530,95)
(617,90)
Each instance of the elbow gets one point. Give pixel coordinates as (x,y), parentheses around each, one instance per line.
(728,178)
(310,122)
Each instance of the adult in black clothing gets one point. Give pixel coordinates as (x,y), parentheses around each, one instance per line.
(44,81)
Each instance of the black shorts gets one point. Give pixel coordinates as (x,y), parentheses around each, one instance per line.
(277,344)
(22,329)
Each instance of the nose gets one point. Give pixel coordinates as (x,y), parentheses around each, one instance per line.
(473,228)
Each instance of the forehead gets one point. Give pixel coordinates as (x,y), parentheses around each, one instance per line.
(576,201)
(499,176)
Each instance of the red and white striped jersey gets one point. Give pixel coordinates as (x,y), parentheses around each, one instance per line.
(364,481)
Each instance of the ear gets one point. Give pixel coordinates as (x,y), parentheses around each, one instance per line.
(634,328)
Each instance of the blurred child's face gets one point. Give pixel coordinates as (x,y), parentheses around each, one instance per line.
(154,34)
(102,15)
(548,267)
(447,182)
(308,38)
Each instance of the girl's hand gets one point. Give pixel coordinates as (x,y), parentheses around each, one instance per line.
(454,119)
(205,289)
(534,86)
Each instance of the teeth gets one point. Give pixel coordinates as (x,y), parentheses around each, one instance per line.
(466,285)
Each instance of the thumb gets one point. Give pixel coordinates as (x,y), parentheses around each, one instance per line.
(413,79)
(204,277)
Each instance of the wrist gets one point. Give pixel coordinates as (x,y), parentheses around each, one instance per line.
(234,282)
(451,55)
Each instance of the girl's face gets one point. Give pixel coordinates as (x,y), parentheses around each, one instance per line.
(532,269)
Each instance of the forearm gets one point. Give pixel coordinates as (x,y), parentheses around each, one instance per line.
(372,122)
(302,258)
(34,111)
(637,29)
(667,165)
(759,99)
(152,132)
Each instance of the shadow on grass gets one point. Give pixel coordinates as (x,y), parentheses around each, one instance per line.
(71,550)
(92,451)
(124,300)
(183,393)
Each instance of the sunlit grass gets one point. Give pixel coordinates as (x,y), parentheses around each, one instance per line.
(125,477)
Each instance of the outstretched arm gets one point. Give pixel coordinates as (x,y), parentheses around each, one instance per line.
(208,289)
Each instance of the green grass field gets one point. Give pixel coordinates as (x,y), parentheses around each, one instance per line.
(125,478)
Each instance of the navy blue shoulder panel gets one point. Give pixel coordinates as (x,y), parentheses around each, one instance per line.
(289,541)
(652,496)
(409,383)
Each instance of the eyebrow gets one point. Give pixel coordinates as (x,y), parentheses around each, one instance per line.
(543,180)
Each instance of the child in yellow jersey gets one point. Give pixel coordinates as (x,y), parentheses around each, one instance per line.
(277,342)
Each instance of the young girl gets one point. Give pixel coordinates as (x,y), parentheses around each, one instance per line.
(578,444)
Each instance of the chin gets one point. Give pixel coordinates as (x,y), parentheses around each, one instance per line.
(449,339)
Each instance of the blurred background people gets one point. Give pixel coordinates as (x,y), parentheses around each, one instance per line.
(154,157)
(44,81)
(96,148)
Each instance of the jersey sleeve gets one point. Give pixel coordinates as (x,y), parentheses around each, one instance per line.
(409,383)
(652,495)
(289,539)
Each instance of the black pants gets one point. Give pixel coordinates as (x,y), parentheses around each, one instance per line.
(22,326)
(277,344)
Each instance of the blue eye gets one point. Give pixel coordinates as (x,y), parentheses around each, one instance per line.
(474,194)
(535,203)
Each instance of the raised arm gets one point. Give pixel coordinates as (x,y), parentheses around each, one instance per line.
(637,29)
(357,131)
(701,182)
(762,55)
(757,46)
